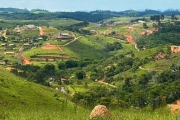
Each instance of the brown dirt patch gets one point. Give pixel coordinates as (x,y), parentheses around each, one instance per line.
(175,107)
(129,39)
(41,31)
(50,47)
(175,49)
(131,28)
(25,61)
(160,55)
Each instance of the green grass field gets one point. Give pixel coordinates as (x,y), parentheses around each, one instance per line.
(39,51)
(88,47)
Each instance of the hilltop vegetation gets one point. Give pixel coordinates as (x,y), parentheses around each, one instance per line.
(167,34)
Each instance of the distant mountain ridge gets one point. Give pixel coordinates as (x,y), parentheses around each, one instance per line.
(93,16)
(18,10)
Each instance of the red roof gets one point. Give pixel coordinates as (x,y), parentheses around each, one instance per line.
(63,79)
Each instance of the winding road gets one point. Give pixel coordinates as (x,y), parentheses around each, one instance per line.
(41,31)
(25,60)
(131,41)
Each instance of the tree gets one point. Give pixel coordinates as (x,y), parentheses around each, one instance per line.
(172,17)
(145,26)
(162,17)
(61,66)
(71,64)
(6,61)
(49,69)
(80,74)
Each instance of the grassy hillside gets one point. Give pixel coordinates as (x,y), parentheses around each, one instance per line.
(20,99)
(92,47)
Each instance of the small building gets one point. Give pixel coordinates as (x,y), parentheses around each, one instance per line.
(63,79)
(12,45)
(63,90)
(141,21)
(3,44)
(35,44)
(10,53)
(26,44)
(2,63)
(31,26)
(40,38)
(63,36)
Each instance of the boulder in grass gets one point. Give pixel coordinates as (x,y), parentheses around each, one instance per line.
(100,111)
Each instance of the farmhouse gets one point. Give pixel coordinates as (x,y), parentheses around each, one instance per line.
(64,36)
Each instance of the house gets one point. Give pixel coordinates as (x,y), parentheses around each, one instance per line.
(141,21)
(35,44)
(12,45)
(40,38)
(98,25)
(11,53)
(2,63)
(3,44)
(30,26)
(63,36)
(26,44)
(63,79)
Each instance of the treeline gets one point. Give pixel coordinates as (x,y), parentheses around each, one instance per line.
(168,33)
(41,75)
(13,10)
(94,16)
(78,27)
(82,16)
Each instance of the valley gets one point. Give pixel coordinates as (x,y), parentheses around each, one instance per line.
(62,68)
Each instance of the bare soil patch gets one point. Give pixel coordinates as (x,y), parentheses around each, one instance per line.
(25,61)
(175,49)
(175,107)
(41,31)
(129,39)
(160,55)
(50,47)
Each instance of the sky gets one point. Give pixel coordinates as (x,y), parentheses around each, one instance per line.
(91,5)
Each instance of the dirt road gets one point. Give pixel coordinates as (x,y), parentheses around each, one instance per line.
(131,41)
(25,60)
(41,31)
(75,38)
(5,31)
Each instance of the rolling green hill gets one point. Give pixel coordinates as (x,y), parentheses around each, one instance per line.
(20,99)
